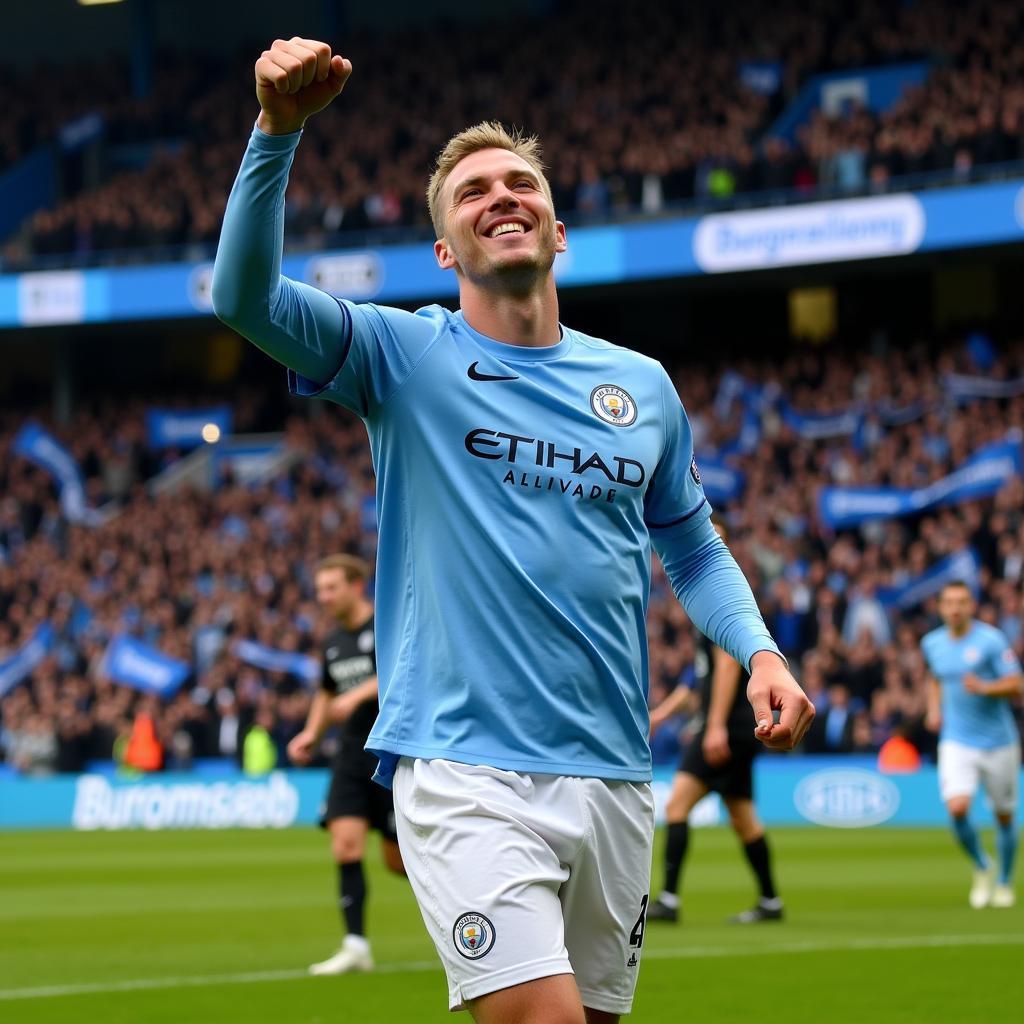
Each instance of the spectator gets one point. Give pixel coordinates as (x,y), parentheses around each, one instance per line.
(144,752)
(259,753)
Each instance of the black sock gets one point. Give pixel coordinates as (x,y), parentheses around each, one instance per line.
(352,896)
(761,864)
(675,853)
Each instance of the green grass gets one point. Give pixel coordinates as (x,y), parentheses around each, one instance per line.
(878,931)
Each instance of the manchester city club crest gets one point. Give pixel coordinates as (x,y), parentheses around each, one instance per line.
(473,936)
(613,405)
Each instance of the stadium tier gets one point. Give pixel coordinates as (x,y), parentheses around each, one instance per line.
(698,107)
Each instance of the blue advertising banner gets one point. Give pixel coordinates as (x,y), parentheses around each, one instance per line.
(133,663)
(963,566)
(175,428)
(294,664)
(823,791)
(845,792)
(34,443)
(982,475)
(743,240)
(15,668)
(164,801)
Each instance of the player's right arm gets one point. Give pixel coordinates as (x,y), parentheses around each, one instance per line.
(303,746)
(294,323)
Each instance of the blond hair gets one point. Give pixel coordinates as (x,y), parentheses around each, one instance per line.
(354,568)
(486,135)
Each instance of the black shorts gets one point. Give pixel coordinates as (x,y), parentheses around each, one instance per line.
(734,778)
(353,794)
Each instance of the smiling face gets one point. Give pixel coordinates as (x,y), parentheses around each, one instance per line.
(499,222)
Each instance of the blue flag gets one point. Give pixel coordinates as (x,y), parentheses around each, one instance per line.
(964,567)
(35,444)
(273,660)
(817,426)
(133,663)
(982,475)
(963,387)
(753,400)
(15,668)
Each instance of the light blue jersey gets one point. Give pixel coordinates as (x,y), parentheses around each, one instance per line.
(518,492)
(971,718)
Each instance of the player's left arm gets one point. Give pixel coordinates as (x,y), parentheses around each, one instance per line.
(716,596)
(1003,663)
(344,704)
(1005,686)
(711,586)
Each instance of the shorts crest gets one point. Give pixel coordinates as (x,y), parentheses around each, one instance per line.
(473,935)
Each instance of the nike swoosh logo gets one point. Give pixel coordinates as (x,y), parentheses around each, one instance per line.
(475,374)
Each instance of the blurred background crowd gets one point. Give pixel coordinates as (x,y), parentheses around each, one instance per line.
(641,110)
(684,113)
(190,572)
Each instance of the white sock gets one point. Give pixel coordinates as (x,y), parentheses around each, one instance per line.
(669,899)
(358,943)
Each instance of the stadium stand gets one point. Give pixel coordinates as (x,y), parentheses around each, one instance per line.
(672,121)
(191,573)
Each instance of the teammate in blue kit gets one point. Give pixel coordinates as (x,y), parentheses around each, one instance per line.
(523,470)
(974,676)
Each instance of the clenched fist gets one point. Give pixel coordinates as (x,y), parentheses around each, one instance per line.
(772,688)
(295,79)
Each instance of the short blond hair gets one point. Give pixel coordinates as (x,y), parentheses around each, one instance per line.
(486,135)
(354,568)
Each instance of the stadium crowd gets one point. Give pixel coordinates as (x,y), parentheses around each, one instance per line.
(672,118)
(192,573)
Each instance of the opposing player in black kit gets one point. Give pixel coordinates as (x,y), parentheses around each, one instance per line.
(720,759)
(348,695)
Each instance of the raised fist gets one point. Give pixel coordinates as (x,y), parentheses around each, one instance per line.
(295,79)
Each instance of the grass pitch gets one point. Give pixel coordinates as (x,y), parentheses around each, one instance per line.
(200,927)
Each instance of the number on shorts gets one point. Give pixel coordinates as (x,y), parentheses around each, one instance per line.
(636,936)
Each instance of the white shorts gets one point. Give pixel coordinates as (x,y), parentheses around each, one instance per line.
(962,768)
(520,877)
